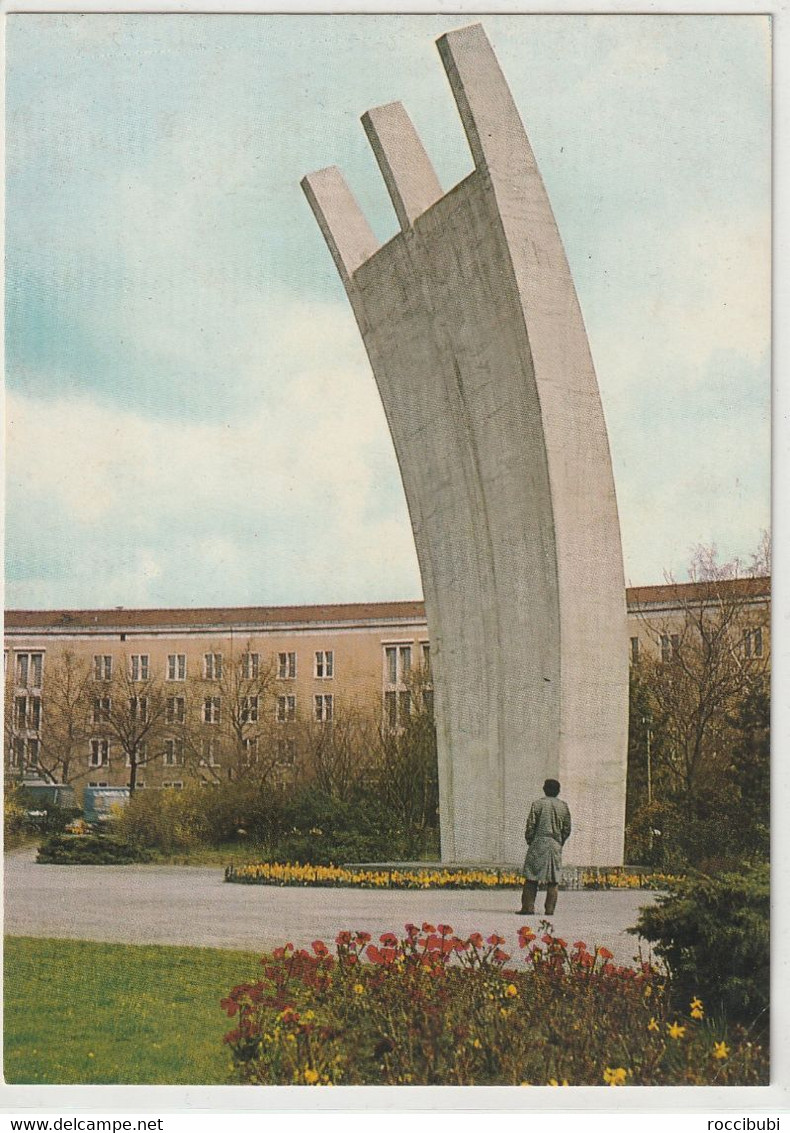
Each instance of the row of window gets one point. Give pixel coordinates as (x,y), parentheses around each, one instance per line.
(172,754)
(176,666)
(670,643)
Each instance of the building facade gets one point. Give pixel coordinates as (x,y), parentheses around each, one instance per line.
(164,697)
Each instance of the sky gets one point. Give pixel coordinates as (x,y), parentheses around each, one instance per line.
(190,415)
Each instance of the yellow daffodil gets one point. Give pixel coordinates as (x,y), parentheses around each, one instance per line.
(697,1013)
(720,1050)
(310,1076)
(552,1082)
(615,1077)
(653,1024)
(359,989)
(511,990)
(675,1030)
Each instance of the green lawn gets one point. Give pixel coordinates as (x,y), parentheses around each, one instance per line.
(81,1012)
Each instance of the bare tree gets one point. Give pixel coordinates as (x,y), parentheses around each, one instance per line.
(58,722)
(129,712)
(338,747)
(707,656)
(227,725)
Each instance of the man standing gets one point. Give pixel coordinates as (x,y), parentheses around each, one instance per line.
(548,829)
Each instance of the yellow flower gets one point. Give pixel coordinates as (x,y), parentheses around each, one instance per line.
(310,1076)
(552,1082)
(653,1024)
(614,1077)
(477,1044)
(696,1004)
(720,1050)
(697,1013)
(675,1030)
(648,991)
(511,990)
(503,1011)
(359,989)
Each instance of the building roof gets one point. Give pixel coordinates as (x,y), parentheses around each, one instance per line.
(188,617)
(120,619)
(677,592)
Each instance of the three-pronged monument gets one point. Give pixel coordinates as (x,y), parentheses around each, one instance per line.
(474,332)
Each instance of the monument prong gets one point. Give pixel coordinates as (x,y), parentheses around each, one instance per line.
(405,166)
(347,233)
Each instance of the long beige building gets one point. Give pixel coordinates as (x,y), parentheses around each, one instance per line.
(188,685)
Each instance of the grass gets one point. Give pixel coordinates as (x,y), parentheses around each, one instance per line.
(79,1012)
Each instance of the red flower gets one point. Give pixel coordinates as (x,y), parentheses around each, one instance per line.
(411,930)
(582,947)
(428,927)
(363,937)
(444,929)
(605,953)
(229,1005)
(343,937)
(494,939)
(500,956)
(320,948)
(476,940)
(389,938)
(546,938)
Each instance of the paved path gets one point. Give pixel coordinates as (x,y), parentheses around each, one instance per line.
(193,905)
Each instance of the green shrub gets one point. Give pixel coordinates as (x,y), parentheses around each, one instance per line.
(713,933)
(14,818)
(89,849)
(436,1009)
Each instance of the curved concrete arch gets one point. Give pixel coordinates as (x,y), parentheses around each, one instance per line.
(477,343)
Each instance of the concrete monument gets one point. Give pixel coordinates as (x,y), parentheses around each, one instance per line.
(476,339)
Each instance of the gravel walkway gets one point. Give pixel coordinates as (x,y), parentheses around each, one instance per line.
(193,905)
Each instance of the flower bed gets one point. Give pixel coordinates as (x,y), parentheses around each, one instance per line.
(275,873)
(434,1009)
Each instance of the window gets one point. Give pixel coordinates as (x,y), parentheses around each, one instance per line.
(634,650)
(286,709)
(397,664)
(208,754)
(100,783)
(176,666)
(100,753)
(670,643)
(138,709)
(250,666)
(286,752)
(33,749)
(211,710)
(324,664)
(212,666)
(286,666)
(175,710)
(391,709)
(249,751)
(174,753)
(753,642)
(404,707)
(427,699)
(102,667)
(249,710)
(27,713)
(174,785)
(426,658)
(141,756)
(139,668)
(101,709)
(28,669)
(324,707)
(18,752)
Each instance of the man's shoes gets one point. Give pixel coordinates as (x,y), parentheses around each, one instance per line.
(525,912)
